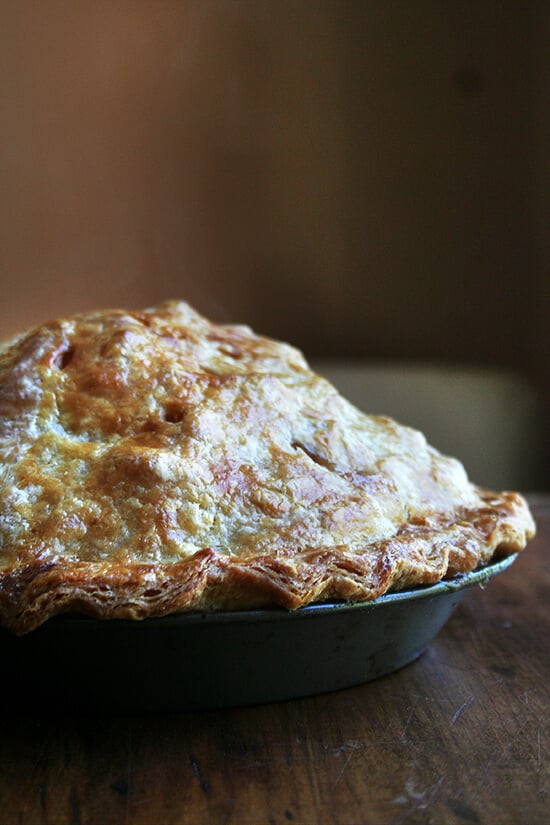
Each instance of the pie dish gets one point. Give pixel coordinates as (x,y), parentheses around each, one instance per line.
(220,659)
(155,462)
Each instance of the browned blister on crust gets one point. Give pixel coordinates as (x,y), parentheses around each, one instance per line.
(154,462)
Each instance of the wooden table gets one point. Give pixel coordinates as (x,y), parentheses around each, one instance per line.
(460,736)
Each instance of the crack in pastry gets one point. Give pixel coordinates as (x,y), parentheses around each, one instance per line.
(154,462)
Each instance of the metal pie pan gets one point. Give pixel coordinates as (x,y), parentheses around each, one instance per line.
(213,660)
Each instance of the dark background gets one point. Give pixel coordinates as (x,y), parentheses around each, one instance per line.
(365,179)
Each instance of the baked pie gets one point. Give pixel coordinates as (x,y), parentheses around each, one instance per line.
(154,462)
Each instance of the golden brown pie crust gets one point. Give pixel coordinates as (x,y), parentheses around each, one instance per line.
(154,462)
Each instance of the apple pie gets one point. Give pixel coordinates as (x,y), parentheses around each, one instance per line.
(155,462)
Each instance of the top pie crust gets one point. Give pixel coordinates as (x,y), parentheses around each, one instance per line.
(154,462)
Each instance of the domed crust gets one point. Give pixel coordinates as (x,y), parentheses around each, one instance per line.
(154,462)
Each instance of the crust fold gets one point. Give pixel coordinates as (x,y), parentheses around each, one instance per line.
(211,581)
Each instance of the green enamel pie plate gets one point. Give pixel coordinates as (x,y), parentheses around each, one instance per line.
(213,660)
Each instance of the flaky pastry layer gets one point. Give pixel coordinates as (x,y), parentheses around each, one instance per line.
(154,462)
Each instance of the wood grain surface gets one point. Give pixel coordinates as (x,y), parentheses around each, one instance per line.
(460,736)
